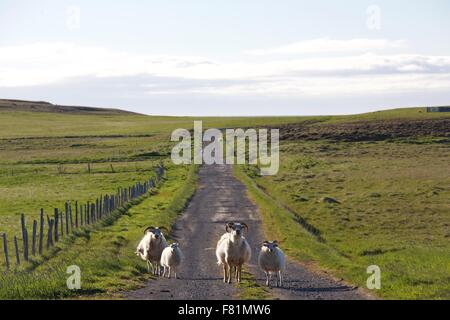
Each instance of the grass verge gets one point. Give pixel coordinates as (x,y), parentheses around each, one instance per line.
(105,255)
(297,241)
(250,289)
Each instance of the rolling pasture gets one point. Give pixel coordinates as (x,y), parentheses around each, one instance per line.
(352,191)
(370,191)
(50,155)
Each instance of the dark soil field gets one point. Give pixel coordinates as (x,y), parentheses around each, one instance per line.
(366,131)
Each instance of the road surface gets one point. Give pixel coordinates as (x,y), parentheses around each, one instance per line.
(221,198)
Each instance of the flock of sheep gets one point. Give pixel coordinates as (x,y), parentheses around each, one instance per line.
(232,252)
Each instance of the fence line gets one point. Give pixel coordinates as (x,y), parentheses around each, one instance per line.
(61,225)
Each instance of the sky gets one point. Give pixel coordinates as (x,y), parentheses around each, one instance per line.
(211,57)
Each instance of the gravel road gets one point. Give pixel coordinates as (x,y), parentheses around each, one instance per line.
(221,198)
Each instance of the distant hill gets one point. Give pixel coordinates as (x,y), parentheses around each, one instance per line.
(43,106)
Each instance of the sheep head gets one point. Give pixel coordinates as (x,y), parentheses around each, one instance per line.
(236,228)
(174,246)
(154,232)
(269,245)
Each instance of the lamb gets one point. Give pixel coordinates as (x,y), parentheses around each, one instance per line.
(151,247)
(171,259)
(233,250)
(271,260)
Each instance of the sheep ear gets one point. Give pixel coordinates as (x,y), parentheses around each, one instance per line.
(228,225)
(245,226)
(265,243)
(163,228)
(275,243)
(149,229)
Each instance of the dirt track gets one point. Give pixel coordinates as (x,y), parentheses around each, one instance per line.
(219,199)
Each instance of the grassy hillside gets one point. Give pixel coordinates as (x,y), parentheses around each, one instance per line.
(48,158)
(104,253)
(348,196)
(387,170)
(42,106)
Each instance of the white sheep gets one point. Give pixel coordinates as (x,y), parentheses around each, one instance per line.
(271,260)
(233,250)
(171,259)
(151,247)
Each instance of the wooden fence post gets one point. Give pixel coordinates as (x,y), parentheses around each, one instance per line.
(76,214)
(5,250)
(56,225)
(61,223)
(88,207)
(67,219)
(24,237)
(41,231)
(16,245)
(50,232)
(33,239)
(81,215)
(96,209)
(71,220)
(101,205)
(93,220)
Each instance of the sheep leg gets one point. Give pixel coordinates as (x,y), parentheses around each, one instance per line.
(280,277)
(225,274)
(231,272)
(267,278)
(148,266)
(175,272)
(159,268)
(270,277)
(170,271)
(239,273)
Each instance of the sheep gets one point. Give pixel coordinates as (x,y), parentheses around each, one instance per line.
(233,250)
(171,259)
(151,247)
(271,260)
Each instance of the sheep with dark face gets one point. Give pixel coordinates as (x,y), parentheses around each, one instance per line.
(272,260)
(171,259)
(233,250)
(151,247)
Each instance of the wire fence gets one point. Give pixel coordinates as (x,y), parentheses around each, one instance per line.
(49,229)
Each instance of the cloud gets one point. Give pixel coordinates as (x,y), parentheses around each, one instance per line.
(43,63)
(326,45)
(144,75)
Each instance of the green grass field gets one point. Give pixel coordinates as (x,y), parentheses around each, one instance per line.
(104,253)
(392,211)
(50,158)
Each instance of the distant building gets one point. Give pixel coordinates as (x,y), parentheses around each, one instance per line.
(438,109)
